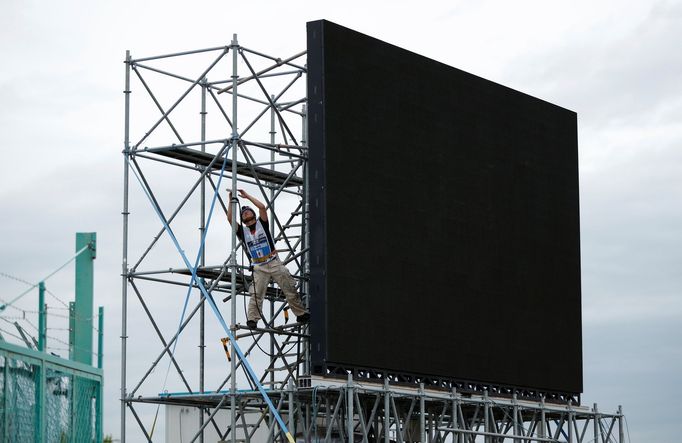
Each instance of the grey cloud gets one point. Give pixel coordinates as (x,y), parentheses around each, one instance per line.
(610,80)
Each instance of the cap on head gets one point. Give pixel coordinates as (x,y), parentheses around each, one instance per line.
(247,209)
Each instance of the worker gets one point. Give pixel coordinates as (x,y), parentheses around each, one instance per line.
(254,233)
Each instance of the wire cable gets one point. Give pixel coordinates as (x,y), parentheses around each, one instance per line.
(12,277)
(66,306)
(11,334)
(83,249)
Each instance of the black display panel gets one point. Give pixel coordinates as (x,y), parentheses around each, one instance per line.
(444,221)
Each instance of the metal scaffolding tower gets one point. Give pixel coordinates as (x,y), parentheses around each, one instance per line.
(203,118)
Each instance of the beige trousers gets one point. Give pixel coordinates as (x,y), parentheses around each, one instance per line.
(262,274)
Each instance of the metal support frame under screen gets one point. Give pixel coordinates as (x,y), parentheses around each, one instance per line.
(178,364)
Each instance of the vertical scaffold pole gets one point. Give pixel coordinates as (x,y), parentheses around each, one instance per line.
(422,414)
(292,406)
(202,262)
(272,230)
(233,257)
(271,368)
(349,407)
(543,423)
(486,416)
(459,437)
(515,412)
(621,433)
(570,422)
(124,264)
(387,411)
(596,423)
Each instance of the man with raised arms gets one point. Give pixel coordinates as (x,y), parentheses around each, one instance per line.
(254,233)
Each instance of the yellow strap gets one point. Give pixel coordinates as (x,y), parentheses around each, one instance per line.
(266,258)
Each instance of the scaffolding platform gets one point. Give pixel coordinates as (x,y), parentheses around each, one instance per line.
(193,156)
(333,411)
(214,273)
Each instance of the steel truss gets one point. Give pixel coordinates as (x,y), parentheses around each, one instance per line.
(332,411)
(267,152)
(262,151)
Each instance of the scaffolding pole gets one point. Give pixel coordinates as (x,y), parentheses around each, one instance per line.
(124,263)
(233,254)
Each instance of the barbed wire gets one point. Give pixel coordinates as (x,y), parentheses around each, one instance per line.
(11,334)
(12,277)
(23,318)
(32,325)
(11,317)
(48,337)
(4,306)
(66,306)
(80,348)
(32,285)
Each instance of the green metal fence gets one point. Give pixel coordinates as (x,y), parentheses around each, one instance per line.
(44,398)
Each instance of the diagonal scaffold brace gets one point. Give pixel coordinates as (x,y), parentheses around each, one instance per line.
(216,311)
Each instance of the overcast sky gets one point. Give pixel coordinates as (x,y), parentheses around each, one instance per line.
(617,64)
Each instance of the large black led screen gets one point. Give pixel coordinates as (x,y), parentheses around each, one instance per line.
(444,220)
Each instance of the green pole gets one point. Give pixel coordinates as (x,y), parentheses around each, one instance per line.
(72,329)
(42,320)
(40,373)
(82,335)
(100,337)
(84,291)
(100,388)
(40,402)
(5,401)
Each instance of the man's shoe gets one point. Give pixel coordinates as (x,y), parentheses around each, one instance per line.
(305,318)
(252,324)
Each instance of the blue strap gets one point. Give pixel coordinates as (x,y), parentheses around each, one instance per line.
(210,300)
